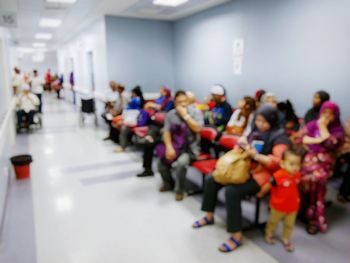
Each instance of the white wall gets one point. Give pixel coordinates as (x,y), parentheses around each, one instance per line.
(7,132)
(93,38)
(26,64)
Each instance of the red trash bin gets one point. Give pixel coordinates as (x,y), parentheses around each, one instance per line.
(21,164)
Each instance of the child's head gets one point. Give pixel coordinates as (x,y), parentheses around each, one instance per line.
(291,161)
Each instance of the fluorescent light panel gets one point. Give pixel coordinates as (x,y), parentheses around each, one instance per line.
(50,22)
(45,36)
(172,3)
(39,44)
(61,1)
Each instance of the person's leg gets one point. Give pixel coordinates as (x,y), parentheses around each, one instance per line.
(20,115)
(271,225)
(234,194)
(289,222)
(30,116)
(165,172)
(210,195)
(124,136)
(320,205)
(114,134)
(41,102)
(180,166)
(148,150)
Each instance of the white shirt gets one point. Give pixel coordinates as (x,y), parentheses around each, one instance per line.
(27,102)
(17,80)
(37,85)
(239,123)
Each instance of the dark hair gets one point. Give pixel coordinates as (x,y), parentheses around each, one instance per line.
(179,93)
(250,102)
(35,71)
(292,151)
(138,92)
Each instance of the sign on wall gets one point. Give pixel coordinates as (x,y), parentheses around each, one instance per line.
(238,50)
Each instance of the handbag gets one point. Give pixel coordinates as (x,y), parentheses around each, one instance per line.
(232,168)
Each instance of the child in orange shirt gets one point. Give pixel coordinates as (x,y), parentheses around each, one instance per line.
(285,198)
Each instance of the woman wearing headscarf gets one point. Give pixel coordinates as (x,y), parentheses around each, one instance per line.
(163,103)
(319,98)
(321,138)
(264,165)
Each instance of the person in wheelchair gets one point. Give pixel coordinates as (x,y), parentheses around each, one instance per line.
(27,106)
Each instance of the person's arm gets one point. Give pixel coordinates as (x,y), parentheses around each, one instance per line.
(170,153)
(34,99)
(190,121)
(272,160)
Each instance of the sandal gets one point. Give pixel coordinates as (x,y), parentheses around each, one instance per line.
(288,246)
(312,229)
(225,248)
(198,224)
(270,240)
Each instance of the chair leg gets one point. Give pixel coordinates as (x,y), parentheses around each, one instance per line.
(257,211)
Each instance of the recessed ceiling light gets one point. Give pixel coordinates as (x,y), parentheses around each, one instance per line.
(45,36)
(62,1)
(39,44)
(172,3)
(50,22)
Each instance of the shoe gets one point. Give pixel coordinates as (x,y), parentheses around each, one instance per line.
(145,173)
(165,188)
(179,196)
(107,138)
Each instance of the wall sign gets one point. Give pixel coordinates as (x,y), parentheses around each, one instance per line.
(238,50)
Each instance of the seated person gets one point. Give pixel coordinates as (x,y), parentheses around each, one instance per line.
(258,95)
(265,163)
(291,119)
(322,137)
(241,120)
(163,103)
(319,98)
(154,137)
(219,116)
(121,126)
(27,104)
(117,101)
(180,144)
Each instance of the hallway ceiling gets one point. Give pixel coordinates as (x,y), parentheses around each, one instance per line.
(27,13)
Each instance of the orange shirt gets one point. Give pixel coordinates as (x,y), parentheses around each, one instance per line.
(285,196)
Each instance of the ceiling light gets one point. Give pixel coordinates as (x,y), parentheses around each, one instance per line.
(45,36)
(62,1)
(172,3)
(50,22)
(39,44)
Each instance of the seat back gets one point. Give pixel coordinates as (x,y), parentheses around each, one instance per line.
(228,142)
(208,133)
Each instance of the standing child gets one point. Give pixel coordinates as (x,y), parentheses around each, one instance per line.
(285,198)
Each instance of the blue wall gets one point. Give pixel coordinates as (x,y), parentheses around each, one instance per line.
(292,48)
(140,52)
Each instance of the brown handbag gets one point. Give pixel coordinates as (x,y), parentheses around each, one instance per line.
(232,168)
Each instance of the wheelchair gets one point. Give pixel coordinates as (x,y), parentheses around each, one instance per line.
(23,123)
(88,107)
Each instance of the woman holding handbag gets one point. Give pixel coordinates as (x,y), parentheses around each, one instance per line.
(268,132)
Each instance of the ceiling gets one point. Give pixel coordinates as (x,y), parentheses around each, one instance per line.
(27,14)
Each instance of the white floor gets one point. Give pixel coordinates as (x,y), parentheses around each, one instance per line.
(90,208)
